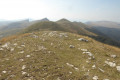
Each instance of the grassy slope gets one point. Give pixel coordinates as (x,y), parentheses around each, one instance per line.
(49,52)
(46,25)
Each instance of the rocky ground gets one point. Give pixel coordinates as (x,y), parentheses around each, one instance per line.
(51,55)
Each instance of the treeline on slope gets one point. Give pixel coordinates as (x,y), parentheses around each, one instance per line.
(73,27)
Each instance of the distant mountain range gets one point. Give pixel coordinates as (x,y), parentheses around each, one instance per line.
(110,29)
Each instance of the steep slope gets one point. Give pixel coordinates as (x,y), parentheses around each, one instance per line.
(53,55)
(110,29)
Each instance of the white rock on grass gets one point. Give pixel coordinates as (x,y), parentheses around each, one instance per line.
(4,72)
(1,49)
(77,69)
(23,67)
(111,64)
(95,78)
(63,35)
(70,65)
(105,79)
(28,56)
(82,39)
(94,67)
(118,68)
(89,53)
(6,45)
(70,72)
(15,44)
(12,49)
(101,70)
(58,78)
(23,73)
(21,52)
(113,56)
(21,59)
(23,45)
(71,46)
(84,50)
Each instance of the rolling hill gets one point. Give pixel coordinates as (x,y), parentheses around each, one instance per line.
(15,27)
(73,27)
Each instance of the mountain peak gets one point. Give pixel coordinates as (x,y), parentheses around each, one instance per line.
(63,20)
(45,19)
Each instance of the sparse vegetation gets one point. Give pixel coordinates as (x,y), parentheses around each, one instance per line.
(46,55)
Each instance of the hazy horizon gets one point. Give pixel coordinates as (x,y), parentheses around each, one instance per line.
(74,10)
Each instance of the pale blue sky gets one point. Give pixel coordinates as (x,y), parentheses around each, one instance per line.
(90,10)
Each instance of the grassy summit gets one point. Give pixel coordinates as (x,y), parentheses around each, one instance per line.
(57,55)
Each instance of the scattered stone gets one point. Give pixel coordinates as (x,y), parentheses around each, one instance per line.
(105,79)
(12,75)
(82,39)
(21,59)
(118,68)
(113,56)
(71,46)
(101,70)
(7,59)
(95,78)
(51,44)
(94,67)
(89,53)
(35,36)
(4,72)
(70,72)
(70,65)
(87,61)
(1,49)
(63,35)
(85,50)
(23,67)
(23,73)
(111,64)
(12,49)
(77,69)
(58,78)
(23,45)
(21,52)
(6,45)
(28,56)
(15,44)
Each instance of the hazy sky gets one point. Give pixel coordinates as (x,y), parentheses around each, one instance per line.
(56,9)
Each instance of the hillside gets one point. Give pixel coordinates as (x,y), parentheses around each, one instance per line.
(14,27)
(110,29)
(73,27)
(45,25)
(56,55)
